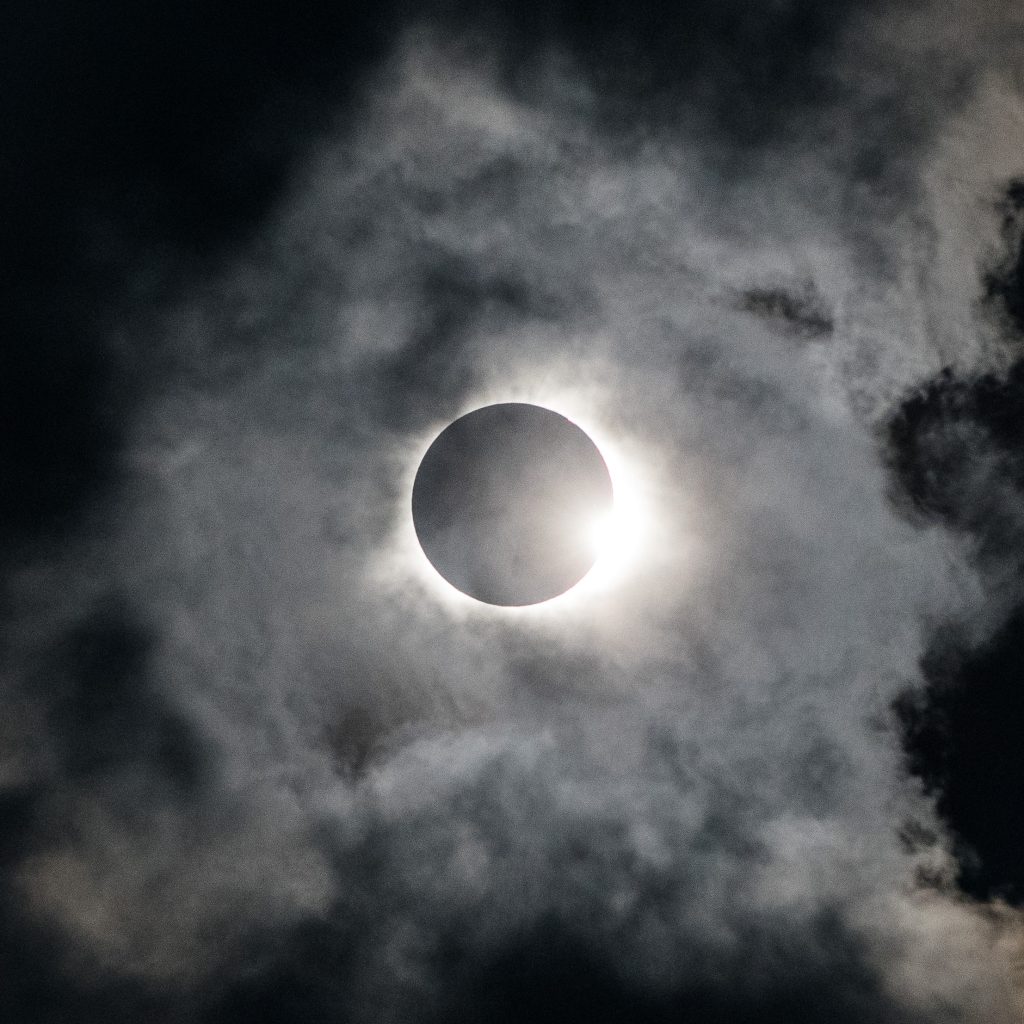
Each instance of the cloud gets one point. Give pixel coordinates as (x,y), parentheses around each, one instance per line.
(955,454)
(801,313)
(258,764)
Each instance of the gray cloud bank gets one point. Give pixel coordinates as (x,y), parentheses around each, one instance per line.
(257,766)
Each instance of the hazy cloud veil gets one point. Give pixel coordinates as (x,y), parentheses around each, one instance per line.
(258,765)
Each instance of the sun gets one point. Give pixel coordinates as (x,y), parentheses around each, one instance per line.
(614,536)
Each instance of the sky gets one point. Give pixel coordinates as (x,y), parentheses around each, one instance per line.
(258,763)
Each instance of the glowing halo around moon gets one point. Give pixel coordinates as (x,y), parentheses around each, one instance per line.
(516,507)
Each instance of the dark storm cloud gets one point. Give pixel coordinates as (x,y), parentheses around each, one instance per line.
(586,920)
(87,714)
(105,733)
(105,713)
(801,313)
(258,258)
(1004,283)
(553,976)
(956,451)
(553,972)
(962,734)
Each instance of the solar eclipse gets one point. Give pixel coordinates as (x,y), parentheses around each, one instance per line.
(512,504)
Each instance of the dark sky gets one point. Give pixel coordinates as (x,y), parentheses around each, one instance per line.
(258,765)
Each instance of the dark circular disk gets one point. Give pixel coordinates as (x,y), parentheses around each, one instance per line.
(504,500)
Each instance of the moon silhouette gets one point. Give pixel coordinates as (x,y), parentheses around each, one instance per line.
(505,502)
